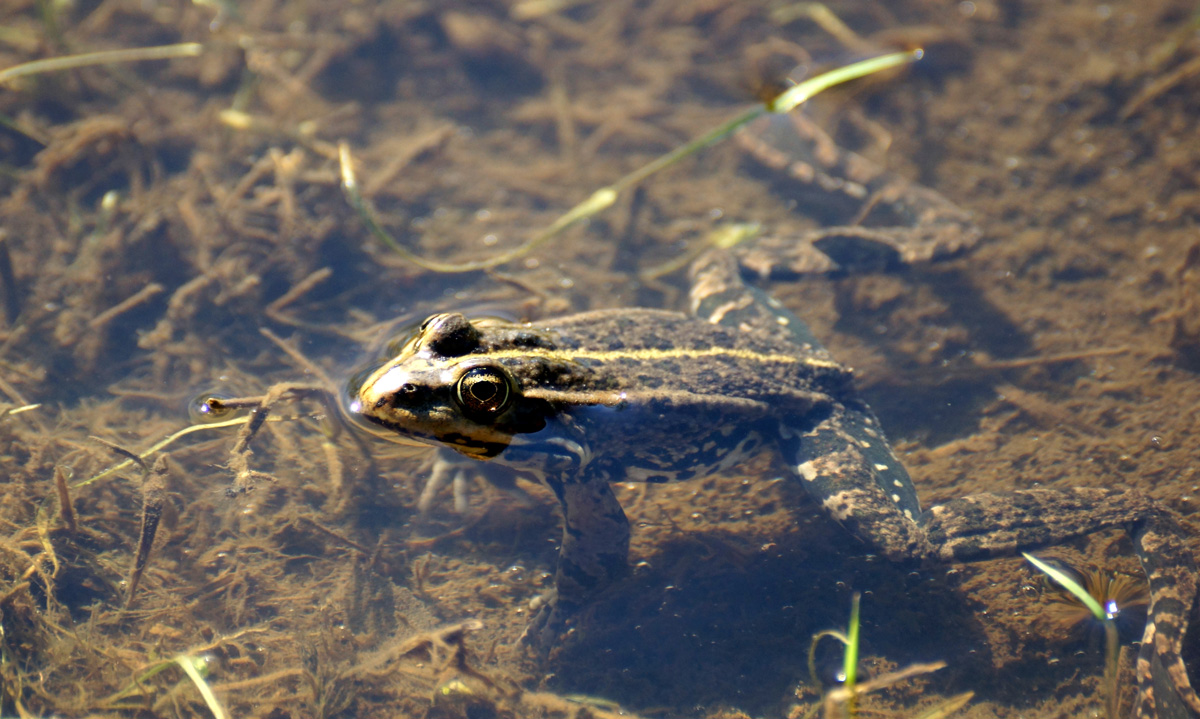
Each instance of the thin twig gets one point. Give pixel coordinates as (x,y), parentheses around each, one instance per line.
(303,362)
(298,290)
(154,496)
(66,511)
(89,59)
(108,315)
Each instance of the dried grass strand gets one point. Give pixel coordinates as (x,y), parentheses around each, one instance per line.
(104,57)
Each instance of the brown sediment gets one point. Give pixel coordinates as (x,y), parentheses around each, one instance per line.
(1062,351)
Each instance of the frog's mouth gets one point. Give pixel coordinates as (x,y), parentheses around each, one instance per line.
(475,448)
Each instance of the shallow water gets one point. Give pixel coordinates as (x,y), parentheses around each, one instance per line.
(1061,350)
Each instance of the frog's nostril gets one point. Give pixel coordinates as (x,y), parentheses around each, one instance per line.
(407,395)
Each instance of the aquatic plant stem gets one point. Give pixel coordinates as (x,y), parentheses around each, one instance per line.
(850,657)
(604,198)
(71,62)
(802,92)
(162,444)
(1111,637)
(188,664)
(1112,649)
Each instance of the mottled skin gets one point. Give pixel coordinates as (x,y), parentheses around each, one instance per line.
(650,395)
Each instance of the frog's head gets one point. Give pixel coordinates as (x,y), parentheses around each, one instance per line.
(477,388)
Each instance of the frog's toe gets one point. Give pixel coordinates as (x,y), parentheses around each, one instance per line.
(1165,691)
(444,471)
(550,626)
(448,470)
(784,256)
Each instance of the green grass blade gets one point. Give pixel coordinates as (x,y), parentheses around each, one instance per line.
(604,198)
(1070,585)
(850,658)
(188,664)
(802,92)
(1111,638)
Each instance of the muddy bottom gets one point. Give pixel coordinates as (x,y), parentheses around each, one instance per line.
(175,229)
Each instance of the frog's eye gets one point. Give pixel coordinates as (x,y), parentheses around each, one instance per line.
(483,391)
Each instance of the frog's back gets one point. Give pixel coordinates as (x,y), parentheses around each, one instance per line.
(661,351)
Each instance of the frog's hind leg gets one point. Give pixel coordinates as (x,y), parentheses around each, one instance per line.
(1166,688)
(845,463)
(719,295)
(988,525)
(844,457)
(845,478)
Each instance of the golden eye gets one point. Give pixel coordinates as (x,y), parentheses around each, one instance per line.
(483,391)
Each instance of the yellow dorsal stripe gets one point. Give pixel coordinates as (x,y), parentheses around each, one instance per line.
(656,354)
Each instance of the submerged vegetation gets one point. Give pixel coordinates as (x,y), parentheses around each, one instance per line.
(175,228)
(784,102)
(844,699)
(1123,598)
(1093,594)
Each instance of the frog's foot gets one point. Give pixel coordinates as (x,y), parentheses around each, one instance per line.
(445,470)
(851,249)
(783,256)
(551,624)
(987,525)
(449,470)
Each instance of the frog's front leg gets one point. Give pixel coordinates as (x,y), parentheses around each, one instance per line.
(845,463)
(594,552)
(447,469)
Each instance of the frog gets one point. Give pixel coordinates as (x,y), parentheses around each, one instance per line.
(583,401)
(895,222)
